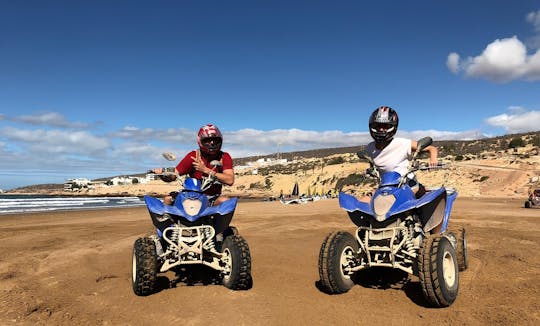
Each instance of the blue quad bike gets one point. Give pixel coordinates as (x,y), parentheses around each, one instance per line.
(188,234)
(398,231)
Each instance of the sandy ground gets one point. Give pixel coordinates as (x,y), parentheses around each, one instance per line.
(75,268)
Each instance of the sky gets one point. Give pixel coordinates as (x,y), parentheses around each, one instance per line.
(91,89)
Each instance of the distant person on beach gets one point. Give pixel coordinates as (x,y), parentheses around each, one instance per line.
(208,161)
(393,154)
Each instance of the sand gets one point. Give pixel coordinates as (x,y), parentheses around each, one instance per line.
(74,268)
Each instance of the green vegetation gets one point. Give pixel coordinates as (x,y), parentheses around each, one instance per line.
(256,185)
(336,160)
(354,179)
(268,183)
(516,142)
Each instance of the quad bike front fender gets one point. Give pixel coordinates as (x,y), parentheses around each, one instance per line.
(358,211)
(351,204)
(156,206)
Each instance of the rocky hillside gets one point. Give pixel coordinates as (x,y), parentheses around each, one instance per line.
(501,166)
(463,148)
(490,174)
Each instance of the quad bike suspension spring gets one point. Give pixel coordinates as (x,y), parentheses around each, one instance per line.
(174,235)
(173,239)
(209,243)
(408,245)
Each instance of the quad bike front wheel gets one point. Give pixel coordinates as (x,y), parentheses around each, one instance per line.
(144,266)
(527,204)
(237,261)
(338,252)
(438,271)
(461,249)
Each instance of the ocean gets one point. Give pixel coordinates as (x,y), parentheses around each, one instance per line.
(12,204)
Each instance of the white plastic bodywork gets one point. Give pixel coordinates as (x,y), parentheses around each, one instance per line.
(190,245)
(393,246)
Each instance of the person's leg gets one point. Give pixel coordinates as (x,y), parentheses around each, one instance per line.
(220,200)
(168,200)
(366,198)
(418,189)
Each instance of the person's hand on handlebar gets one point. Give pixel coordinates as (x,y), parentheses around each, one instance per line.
(163,170)
(157,170)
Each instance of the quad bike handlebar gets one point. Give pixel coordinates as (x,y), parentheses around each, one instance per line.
(414,165)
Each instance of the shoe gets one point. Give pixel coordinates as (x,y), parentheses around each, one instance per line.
(219,241)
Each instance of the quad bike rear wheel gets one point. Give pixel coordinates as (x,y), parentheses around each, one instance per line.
(237,259)
(338,251)
(438,271)
(461,249)
(144,266)
(527,204)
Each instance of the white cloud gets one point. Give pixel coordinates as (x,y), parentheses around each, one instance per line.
(66,154)
(249,142)
(503,60)
(259,142)
(53,119)
(452,62)
(443,135)
(57,141)
(517,121)
(182,136)
(534,19)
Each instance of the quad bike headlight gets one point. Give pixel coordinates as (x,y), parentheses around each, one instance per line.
(192,206)
(382,204)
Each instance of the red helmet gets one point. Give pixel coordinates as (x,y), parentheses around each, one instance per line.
(210,139)
(383,124)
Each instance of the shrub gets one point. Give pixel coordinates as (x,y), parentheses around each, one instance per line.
(516,142)
(268,183)
(256,185)
(354,179)
(336,160)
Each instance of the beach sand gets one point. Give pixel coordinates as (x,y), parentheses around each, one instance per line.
(74,268)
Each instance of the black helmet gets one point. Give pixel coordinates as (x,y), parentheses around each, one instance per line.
(383,124)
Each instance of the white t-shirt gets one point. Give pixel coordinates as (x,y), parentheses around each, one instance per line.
(394,157)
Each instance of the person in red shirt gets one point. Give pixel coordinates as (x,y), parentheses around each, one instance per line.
(208,160)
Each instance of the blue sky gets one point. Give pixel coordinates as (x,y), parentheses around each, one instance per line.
(99,88)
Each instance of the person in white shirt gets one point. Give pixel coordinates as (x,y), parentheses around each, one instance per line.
(391,153)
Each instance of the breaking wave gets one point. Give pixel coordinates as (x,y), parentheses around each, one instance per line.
(11,204)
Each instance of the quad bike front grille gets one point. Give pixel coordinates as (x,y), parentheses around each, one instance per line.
(189,245)
(387,247)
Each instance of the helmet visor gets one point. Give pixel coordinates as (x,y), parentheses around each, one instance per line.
(211,140)
(380,126)
(212,143)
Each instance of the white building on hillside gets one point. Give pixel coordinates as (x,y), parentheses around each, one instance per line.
(117,181)
(76,184)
